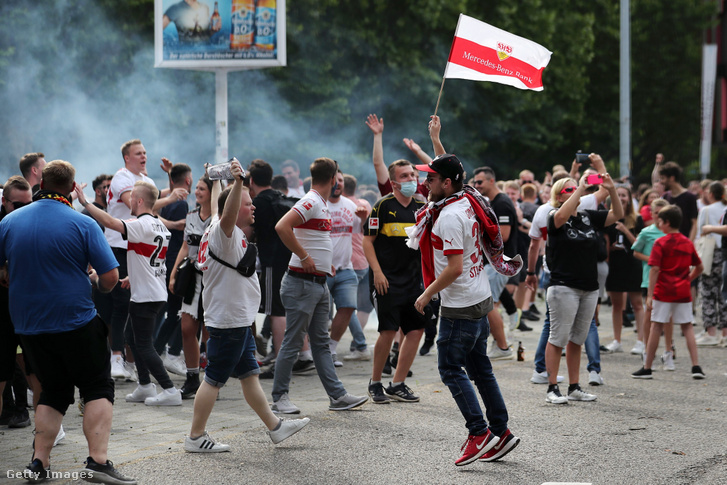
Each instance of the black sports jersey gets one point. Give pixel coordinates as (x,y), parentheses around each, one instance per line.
(401,265)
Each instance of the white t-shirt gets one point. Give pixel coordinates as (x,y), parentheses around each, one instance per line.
(711,215)
(456,231)
(230,299)
(539,227)
(123,181)
(314,234)
(343,218)
(297,192)
(148,240)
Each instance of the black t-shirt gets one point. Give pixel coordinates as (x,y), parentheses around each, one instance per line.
(271,250)
(571,249)
(506,216)
(400,264)
(687,202)
(175,211)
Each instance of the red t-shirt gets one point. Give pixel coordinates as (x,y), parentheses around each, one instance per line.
(646,213)
(673,254)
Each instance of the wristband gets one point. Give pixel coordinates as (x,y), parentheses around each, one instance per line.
(531,273)
(306,257)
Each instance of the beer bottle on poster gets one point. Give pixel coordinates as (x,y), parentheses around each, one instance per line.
(216,20)
(265,24)
(243,24)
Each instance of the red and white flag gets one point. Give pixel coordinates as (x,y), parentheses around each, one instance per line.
(481,52)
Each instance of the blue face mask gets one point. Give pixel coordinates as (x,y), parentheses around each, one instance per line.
(408,189)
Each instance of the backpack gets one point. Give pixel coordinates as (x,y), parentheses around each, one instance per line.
(282,204)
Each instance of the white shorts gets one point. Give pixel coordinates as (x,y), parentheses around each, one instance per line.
(677,313)
(193,308)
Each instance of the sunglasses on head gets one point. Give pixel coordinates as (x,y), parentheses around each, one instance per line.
(568,190)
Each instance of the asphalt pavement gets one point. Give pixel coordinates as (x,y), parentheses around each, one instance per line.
(669,430)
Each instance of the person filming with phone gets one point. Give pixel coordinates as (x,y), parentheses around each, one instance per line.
(571,255)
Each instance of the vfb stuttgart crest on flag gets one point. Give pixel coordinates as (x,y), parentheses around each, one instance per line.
(503,51)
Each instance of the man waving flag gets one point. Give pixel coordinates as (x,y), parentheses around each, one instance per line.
(481,52)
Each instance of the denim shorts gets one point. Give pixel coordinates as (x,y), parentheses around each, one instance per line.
(344,288)
(228,350)
(497,282)
(364,295)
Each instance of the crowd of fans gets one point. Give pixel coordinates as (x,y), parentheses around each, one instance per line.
(178,290)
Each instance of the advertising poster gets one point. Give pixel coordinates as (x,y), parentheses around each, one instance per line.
(208,34)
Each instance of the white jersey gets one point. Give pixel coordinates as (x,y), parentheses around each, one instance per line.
(314,234)
(148,240)
(230,299)
(123,181)
(343,218)
(456,231)
(539,226)
(194,228)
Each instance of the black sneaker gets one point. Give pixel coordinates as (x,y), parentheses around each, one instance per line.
(303,366)
(642,374)
(376,391)
(697,372)
(528,315)
(401,393)
(35,472)
(268,373)
(426,347)
(534,310)
(105,473)
(191,384)
(20,419)
(523,327)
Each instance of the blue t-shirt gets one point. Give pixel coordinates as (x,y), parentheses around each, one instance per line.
(48,247)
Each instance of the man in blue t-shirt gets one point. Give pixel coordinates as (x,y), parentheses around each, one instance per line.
(49,247)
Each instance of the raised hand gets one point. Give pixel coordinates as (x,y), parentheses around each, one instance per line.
(375,124)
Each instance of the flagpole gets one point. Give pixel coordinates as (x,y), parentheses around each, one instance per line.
(436,108)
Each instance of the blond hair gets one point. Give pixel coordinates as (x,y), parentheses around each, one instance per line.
(148,192)
(557,188)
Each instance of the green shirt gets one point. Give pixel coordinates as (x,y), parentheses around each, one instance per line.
(644,243)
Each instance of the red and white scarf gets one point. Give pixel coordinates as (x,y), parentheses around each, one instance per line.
(490,238)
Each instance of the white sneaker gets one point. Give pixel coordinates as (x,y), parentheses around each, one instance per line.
(174,364)
(130,374)
(496,353)
(117,367)
(555,397)
(61,434)
(336,362)
(708,341)
(358,355)
(141,393)
(168,397)
(667,359)
(615,347)
(542,377)
(287,429)
(204,444)
(514,319)
(638,348)
(284,406)
(580,395)
(595,379)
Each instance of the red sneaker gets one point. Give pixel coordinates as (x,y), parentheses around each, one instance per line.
(507,443)
(475,447)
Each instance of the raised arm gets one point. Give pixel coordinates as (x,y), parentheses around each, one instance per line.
(435,126)
(234,200)
(101,216)
(655,177)
(617,211)
(376,125)
(417,150)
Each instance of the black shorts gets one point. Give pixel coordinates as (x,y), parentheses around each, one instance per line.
(270,279)
(79,358)
(396,313)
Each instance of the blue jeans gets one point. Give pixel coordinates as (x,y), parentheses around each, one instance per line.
(462,345)
(359,340)
(306,310)
(592,345)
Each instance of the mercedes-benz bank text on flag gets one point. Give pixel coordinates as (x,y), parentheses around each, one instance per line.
(481,52)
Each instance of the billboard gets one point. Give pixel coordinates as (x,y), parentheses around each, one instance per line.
(210,34)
